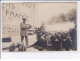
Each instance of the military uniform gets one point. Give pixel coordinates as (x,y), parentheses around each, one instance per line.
(24,32)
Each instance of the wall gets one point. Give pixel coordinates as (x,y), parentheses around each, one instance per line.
(12,14)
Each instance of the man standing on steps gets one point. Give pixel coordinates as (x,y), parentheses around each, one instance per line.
(24,31)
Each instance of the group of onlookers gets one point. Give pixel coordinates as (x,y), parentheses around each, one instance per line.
(57,41)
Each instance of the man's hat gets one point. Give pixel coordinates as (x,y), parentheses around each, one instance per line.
(24,18)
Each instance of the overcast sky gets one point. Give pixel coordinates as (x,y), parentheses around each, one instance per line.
(45,11)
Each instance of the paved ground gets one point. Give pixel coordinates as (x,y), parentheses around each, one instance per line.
(31,40)
(27,50)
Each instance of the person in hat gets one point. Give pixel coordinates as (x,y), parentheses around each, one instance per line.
(68,43)
(24,31)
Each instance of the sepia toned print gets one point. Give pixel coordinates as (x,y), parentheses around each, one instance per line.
(39,27)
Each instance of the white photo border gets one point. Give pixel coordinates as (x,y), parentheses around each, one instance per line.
(47,55)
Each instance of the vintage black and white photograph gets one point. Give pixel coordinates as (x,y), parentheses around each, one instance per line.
(39,26)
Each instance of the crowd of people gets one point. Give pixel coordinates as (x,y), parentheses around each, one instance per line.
(57,41)
(51,41)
